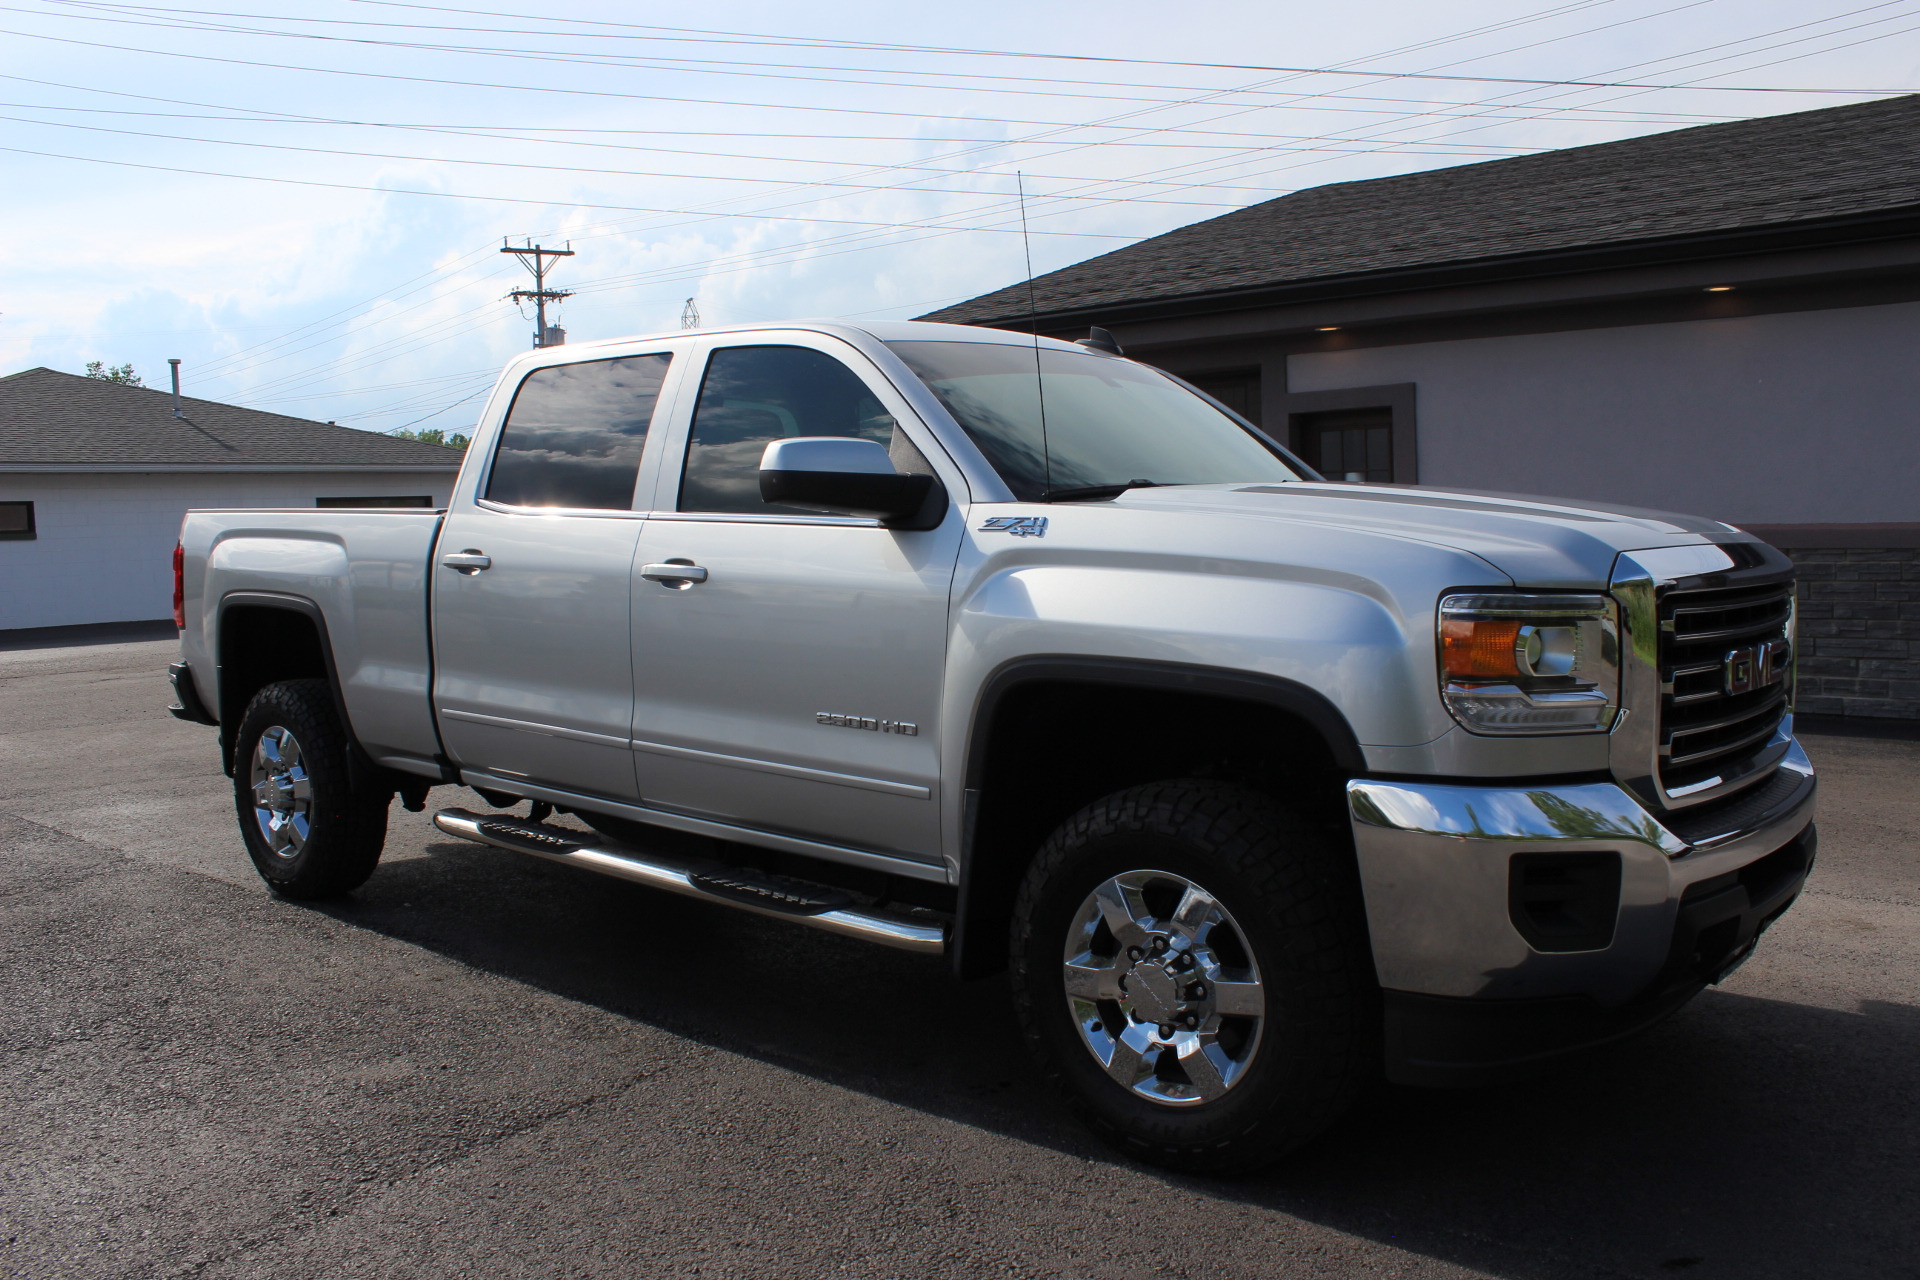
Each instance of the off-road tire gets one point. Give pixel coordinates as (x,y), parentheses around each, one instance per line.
(1295,897)
(347,825)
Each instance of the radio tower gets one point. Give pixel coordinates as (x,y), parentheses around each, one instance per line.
(690,315)
(534,258)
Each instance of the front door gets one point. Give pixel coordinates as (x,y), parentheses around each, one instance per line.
(533,679)
(796,688)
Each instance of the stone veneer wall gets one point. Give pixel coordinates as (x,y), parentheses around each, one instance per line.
(1859,631)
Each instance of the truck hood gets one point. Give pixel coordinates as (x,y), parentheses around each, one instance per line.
(1540,542)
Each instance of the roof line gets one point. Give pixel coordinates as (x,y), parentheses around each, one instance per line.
(1880,225)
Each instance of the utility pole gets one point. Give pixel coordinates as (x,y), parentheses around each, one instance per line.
(534,258)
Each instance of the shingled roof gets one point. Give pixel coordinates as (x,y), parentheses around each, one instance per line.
(1830,169)
(50,419)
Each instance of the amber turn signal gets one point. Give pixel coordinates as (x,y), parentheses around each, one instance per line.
(1479,648)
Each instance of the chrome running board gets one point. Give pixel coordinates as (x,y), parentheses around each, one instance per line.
(726,886)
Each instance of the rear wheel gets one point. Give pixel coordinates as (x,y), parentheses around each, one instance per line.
(310,832)
(1190,965)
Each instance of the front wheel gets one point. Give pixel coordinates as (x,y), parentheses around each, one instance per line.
(1191,968)
(310,832)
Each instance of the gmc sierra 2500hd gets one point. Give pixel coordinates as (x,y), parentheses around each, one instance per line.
(1018,651)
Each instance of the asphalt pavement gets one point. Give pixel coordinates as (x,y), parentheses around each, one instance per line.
(492,1066)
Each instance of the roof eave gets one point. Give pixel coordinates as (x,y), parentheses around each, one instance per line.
(1889,224)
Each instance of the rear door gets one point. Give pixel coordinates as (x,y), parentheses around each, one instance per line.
(796,688)
(533,679)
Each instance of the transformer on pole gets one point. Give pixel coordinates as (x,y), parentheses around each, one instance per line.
(534,258)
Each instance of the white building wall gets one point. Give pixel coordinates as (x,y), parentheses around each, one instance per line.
(1810,417)
(104,551)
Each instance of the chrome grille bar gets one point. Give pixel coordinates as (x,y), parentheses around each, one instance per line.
(1709,719)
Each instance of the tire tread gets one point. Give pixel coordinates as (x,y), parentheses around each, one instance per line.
(349,824)
(1282,860)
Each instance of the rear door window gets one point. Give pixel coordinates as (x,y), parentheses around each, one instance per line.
(574,435)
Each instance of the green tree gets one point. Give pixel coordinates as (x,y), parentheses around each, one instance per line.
(432,435)
(122,373)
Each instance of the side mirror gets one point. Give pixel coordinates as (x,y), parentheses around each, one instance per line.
(840,475)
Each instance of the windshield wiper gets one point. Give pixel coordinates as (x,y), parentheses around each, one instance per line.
(1095,492)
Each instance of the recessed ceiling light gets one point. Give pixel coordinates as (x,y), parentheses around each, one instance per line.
(1719,288)
(1329,328)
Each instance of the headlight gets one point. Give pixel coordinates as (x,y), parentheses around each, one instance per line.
(1530,663)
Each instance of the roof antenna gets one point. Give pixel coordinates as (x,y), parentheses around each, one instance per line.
(1033,323)
(176,389)
(1099,339)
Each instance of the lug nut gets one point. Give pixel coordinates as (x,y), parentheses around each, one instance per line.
(1192,1022)
(1133,953)
(1199,991)
(1166,1031)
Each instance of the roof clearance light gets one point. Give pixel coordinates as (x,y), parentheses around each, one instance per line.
(1329,328)
(1719,288)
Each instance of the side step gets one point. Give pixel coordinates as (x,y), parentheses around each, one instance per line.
(797,900)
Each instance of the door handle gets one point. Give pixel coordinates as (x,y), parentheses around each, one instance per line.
(678,574)
(468,562)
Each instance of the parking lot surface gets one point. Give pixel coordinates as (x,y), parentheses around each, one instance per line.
(489,1065)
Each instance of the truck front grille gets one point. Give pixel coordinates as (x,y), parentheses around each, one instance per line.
(1726,677)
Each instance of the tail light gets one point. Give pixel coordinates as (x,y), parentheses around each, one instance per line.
(179,586)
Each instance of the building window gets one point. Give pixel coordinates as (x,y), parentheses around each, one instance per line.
(1347,444)
(16,522)
(412,500)
(1240,392)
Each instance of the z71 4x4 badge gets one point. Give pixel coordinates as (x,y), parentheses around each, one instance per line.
(1018,526)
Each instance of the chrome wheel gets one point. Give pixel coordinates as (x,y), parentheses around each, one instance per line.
(1163,987)
(282,792)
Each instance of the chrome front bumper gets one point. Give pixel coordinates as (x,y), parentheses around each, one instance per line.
(1437,865)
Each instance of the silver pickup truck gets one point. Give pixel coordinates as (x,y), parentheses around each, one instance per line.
(1021,653)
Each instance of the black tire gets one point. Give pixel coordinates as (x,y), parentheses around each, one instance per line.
(1294,903)
(345,827)
(624,830)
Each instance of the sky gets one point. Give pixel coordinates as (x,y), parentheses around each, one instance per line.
(306,203)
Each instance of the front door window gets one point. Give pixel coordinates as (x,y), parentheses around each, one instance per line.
(754,395)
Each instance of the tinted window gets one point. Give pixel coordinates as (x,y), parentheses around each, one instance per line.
(752,395)
(1349,444)
(574,434)
(16,521)
(1053,419)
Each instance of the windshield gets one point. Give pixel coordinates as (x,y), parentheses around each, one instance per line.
(1108,421)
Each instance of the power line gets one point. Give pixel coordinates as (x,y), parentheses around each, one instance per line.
(264,115)
(559,168)
(864,46)
(437,412)
(894,232)
(458,195)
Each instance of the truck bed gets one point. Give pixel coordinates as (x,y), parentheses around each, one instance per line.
(367,573)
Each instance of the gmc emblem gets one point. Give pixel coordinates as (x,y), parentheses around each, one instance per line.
(1755,667)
